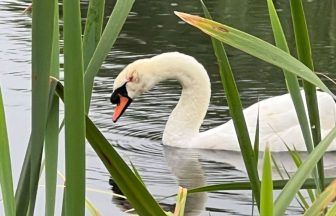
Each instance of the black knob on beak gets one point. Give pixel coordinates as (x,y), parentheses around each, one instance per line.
(115,97)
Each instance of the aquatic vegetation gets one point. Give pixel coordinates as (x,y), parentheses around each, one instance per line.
(79,75)
(82,61)
(273,55)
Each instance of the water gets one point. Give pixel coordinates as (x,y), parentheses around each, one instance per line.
(152,29)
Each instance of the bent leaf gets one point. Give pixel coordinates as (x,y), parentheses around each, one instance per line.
(254,46)
(136,193)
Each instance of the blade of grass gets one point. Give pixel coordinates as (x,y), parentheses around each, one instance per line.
(256,154)
(277,168)
(51,137)
(254,46)
(305,56)
(51,158)
(298,161)
(21,200)
(236,111)
(74,110)
(301,200)
(22,190)
(266,196)
(246,185)
(6,179)
(128,182)
(42,40)
(322,200)
(291,80)
(93,29)
(109,36)
(256,141)
(295,183)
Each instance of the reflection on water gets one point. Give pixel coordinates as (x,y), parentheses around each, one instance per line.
(186,167)
(152,28)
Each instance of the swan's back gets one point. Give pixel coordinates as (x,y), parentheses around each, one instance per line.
(278,124)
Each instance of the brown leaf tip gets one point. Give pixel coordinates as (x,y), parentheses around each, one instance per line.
(188,18)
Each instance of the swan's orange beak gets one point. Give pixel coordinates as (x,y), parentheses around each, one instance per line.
(124,102)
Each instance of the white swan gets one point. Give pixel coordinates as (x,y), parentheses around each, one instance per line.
(277,118)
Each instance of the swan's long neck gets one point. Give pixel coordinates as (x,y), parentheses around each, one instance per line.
(186,118)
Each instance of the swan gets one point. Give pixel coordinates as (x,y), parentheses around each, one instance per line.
(278,122)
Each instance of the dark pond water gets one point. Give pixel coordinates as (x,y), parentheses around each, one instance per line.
(152,29)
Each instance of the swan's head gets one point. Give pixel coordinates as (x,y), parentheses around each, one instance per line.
(132,81)
(141,75)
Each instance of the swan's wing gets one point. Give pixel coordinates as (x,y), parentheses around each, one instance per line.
(278,124)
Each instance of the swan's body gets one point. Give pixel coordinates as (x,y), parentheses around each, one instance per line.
(277,117)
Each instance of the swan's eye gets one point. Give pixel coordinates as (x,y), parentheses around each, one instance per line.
(115,97)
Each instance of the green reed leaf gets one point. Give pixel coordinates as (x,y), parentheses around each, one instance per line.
(305,56)
(22,191)
(246,185)
(266,196)
(74,111)
(109,36)
(236,111)
(128,182)
(292,84)
(42,40)
(301,200)
(93,29)
(291,80)
(298,161)
(51,136)
(6,179)
(297,180)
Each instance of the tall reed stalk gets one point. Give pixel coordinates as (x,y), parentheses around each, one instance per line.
(74,113)
(236,111)
(293,86)
(52,128)
(42,40)
(305,56)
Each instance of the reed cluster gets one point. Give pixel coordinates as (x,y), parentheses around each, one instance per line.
(83,57)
